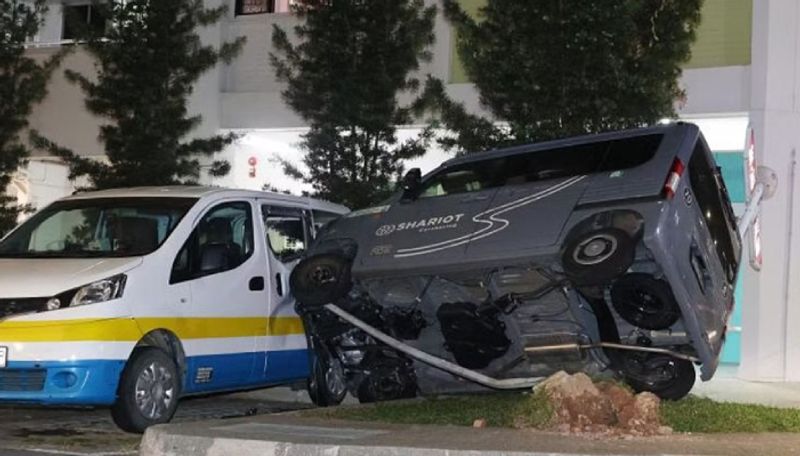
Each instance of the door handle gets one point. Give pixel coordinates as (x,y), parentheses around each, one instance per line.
(279,284)
(256,283)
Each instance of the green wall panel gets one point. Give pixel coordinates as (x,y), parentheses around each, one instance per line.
(723,37)
(724,34)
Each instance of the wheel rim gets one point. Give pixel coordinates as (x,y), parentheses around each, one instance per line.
(323,275)
(334,378)
(155,391)
(595,249)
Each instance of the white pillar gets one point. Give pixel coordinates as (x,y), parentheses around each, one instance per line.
(771,311)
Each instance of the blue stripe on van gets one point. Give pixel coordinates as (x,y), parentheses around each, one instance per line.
(95,382)
(245,370)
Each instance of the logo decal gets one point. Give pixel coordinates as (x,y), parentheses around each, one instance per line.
(422,226)
(385,230)
(491,218)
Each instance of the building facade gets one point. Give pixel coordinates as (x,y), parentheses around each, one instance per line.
(745,70)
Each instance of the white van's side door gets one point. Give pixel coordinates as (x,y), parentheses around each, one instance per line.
(288,234)
(224,267)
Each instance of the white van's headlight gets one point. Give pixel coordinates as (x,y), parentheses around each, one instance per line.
(100,291)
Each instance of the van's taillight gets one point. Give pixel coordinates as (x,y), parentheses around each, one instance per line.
(673,178)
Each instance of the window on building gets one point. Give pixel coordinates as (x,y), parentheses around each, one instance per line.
(247,7)
(82,18)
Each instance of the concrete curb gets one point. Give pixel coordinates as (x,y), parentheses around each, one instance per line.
(158,441)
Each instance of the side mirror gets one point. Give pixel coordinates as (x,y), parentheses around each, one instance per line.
(213,258)
(411,183)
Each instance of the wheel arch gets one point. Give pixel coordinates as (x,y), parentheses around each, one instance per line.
(630,221)
(167,341)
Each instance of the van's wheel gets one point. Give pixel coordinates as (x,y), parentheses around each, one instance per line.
(327,386)
(321,279)
(148,391)
(645,301)
(665,376)
(598,256)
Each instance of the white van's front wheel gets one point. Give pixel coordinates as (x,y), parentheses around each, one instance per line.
(148,391)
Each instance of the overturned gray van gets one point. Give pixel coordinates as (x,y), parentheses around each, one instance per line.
(615,252)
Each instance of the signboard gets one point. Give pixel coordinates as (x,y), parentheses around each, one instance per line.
(754,235)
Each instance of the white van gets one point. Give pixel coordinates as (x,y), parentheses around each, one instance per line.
(134,298)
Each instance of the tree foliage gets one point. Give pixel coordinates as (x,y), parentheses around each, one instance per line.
(23,83)
(556,68)
(147,63)
(351,63)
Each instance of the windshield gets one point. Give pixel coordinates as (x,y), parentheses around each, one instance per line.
(108,227)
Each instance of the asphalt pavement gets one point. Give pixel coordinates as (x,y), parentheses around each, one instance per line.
(35,431)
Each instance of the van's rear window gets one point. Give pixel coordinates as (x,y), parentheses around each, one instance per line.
(557,163)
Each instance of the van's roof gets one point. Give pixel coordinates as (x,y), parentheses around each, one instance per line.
(190,191)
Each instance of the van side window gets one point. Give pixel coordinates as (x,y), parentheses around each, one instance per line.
(712,200)
(222,241)
(287,233)
(322,218)
(539,165)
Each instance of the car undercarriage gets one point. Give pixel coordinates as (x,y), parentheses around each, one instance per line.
(513,323)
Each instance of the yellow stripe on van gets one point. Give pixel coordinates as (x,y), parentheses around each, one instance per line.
(129,329)
(108,330)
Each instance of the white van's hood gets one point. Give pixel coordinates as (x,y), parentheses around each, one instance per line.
(45,277)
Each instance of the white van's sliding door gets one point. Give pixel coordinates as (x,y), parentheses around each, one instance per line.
(224,266)
(287,232)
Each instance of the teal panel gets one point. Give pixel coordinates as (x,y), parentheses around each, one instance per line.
(731,352)
(732,164)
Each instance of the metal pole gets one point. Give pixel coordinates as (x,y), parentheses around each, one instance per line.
(752,209)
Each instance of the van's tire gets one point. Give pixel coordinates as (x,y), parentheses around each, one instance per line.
(320,280)
(645,302)
(327,385)
(152,371)
(599,256)
(667,377)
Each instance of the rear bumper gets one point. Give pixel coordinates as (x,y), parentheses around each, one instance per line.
(61,382)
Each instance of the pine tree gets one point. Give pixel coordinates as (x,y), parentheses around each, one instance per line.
(147,62)
(550,69)
(354,59)
(23,83)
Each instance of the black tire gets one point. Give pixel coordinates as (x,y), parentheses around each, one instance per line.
(644,373)
(599,256)
(126,412)
(320,280)
(379,390)
(645,302)
(320,386)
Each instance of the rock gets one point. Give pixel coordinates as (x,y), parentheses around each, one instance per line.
(577,401)
(642,414)
(580,406)
(619,396)
(479,423)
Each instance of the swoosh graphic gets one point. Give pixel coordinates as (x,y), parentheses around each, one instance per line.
(493,224)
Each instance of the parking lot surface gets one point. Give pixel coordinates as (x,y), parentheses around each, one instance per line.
(28,431)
